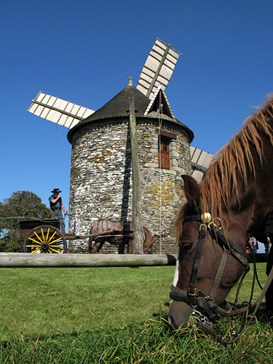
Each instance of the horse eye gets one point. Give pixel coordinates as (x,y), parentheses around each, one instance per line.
(187,247)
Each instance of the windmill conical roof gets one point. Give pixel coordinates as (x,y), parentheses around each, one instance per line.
(118,107)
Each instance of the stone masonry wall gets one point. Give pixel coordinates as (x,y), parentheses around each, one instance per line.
(101,187)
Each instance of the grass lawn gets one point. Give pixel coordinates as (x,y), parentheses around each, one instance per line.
(111,315)
(50,300)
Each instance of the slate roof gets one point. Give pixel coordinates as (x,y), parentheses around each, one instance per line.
(118,107)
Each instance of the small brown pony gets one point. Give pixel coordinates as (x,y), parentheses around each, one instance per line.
(233,201)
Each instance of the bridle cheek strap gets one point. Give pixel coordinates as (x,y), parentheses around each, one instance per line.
(197,259)
(219,274)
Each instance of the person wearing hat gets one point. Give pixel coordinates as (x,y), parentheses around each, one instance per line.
(57,207)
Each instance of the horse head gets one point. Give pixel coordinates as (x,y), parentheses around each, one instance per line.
(208,264)
(237,191)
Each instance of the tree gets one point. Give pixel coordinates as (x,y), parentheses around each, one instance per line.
(21,205)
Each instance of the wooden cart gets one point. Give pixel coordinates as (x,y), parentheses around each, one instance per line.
(42,236)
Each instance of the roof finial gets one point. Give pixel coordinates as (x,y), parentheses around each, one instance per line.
(130,81)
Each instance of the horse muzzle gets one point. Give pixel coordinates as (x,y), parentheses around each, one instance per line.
(179,314)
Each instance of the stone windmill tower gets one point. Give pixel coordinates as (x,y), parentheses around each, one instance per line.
(101,163)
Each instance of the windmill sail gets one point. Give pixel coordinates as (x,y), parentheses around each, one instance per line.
(200,162)
(58,111)
(158,68)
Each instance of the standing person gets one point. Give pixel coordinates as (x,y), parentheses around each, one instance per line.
(253,244)
(57,207)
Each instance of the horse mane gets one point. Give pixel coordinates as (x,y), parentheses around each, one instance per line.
(234,167)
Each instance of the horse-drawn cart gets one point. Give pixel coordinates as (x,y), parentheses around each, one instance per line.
(44,236)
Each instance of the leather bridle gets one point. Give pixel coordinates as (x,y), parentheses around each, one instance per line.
(204,304)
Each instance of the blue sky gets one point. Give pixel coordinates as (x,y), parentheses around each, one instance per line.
(84,51)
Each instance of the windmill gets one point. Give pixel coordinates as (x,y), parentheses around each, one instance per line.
(153,107)
(155,75)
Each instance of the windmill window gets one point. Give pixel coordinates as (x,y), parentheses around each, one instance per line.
(164,152)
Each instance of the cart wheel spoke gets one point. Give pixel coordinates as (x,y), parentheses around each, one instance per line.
(55,241)
(47,234)
(39,237)
(51,250)
(52,236)
(32,246)
(35,241)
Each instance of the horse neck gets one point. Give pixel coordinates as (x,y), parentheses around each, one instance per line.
(254,204)
(238,227)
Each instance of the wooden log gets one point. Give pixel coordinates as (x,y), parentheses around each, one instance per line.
(24,260)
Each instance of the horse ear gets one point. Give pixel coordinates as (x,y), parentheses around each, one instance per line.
(191,189)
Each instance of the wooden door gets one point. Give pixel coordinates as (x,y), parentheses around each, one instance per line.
(164,152)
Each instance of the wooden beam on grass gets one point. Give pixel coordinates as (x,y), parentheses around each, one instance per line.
(28,260)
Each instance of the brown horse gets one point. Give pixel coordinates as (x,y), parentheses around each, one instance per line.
(116,233)
(233,202)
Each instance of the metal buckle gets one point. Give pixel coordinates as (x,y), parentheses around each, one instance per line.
(191,292)
(202,226)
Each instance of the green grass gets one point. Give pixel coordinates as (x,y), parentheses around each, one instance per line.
(112,315)
(45,301)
